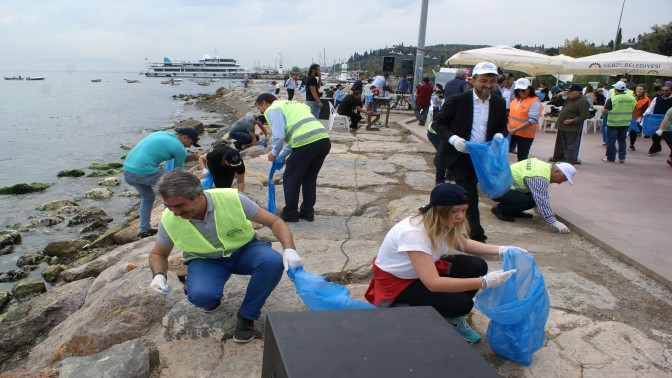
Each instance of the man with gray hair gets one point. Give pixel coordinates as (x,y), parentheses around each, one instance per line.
(457,85)
(212,228)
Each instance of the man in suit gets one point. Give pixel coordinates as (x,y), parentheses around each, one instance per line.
(476,116)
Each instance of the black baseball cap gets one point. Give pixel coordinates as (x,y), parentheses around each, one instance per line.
(447,195)
(192,134)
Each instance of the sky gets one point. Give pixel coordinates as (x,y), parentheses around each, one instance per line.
(121,34)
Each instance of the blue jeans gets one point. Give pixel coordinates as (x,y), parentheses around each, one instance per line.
(604,128)
(206,277)
(616,134)
(314,109)
(143,184)
(240,138)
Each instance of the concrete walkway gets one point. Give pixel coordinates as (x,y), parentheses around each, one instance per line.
(622,208)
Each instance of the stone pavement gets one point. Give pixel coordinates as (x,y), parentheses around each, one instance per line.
(622,208)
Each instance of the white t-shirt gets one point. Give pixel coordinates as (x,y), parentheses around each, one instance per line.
(407,235)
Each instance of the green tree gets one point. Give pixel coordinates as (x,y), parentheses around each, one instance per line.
(577,48)
(619,38)
(659,41)
(296,69)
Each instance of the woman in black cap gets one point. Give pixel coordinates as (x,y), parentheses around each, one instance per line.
(412,266)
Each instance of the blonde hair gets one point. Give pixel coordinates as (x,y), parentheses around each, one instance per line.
(453,235)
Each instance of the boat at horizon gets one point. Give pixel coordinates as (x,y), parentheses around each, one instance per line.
(207,67)
(96,80)
(132,81)
(14,78)
(35,78)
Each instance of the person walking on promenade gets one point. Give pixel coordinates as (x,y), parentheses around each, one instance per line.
(570,124)
(307,145)
(224,163)
(141,167)
(243,132)
(415,264)
(423,100)
(456,85)
(291,84)
(619,110)
(531,179)
(524,117)
(659,105)
(476,116)
(313,84)
(643,103)
(200,224)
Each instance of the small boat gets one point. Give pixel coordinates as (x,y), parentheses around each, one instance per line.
(13,78)
(172,82)
(35,78)
(132,81)
(96,80)
(203,82)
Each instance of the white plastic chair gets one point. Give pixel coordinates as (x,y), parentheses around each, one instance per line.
(333,115)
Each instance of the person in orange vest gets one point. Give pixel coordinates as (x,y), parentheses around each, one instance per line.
(524,117)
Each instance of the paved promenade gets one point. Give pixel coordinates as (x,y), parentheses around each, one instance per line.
(623,208)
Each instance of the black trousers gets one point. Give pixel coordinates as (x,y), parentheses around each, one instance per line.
(655,144)
(465,176)
(301,170)
(354,118)
(513,202)
(290,94)
(449,305)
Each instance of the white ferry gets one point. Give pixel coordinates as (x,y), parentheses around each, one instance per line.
(206,67)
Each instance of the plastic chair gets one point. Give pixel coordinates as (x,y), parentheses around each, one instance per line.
(333,115)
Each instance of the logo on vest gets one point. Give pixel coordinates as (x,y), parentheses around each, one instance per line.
(234,232)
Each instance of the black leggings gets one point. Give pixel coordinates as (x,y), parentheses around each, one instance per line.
(448,304)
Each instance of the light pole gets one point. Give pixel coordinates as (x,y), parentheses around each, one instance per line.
(420,53)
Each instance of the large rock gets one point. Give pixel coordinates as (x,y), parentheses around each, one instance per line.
(110,181)
(128,359)
(65,248)
(190,122)
(123,308)
(30,321)
(99,193)
(23,373)
(52,273)
(9,237)
(30,259)
(13,275)
(28,286)
(24,188)
(90,214)
(211,358)
(55,205)
(47,221)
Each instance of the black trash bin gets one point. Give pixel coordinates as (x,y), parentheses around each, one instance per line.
(324,112)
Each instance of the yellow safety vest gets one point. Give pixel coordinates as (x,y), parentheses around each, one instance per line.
(301,128)
(233,228)
(620,114)
(518,115)
(532,167)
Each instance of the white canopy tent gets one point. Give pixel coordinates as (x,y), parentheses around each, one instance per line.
(510,58)
(621,62)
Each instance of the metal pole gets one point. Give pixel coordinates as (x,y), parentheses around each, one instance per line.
(420,53)
(619,25)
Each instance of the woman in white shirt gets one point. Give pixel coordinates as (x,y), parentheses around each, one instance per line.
(412,267)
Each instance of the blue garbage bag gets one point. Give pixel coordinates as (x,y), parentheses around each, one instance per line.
(276,166)
(491,163)
(634,126)
(518,309)
(170,164)
(302,90)
(208,182)
(651,123)
(320,295)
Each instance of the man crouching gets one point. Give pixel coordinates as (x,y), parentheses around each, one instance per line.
(213,230)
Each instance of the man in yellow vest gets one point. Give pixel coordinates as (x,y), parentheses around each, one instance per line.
(306,141)
(619,110)
(212,229)
(531,179)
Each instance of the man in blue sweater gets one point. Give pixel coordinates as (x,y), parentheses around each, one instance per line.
(141,167)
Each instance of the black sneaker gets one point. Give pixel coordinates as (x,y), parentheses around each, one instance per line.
(148,233)
(287,218)
(522,214)
(631,148)
(244,330)
(308,217)
(498,213)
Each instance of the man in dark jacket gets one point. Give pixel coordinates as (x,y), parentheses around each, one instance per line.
(476,116)
(570,123)
(457,85)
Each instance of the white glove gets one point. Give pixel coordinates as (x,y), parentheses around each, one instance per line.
(498,136)
(205,171)
(659,132)
(159,283)
(560,227)
(496,278)
(459,145)
(291,258)
(503,248)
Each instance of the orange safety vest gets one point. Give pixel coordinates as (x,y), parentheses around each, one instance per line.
(518,115)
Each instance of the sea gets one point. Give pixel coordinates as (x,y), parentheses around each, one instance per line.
(69,122)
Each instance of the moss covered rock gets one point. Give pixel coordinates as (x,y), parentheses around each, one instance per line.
(104,166)
(24,188)
(103,173)
(71,173)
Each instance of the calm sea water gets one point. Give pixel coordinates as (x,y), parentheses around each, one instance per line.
(68,122)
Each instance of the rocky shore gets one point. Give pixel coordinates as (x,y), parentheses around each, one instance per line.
(100,318)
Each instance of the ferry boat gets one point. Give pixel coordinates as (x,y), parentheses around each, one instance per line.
(206,67)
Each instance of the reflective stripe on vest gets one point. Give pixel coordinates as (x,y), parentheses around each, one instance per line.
(233,228)
(518,114)
(301,128)
(532,167)
(620,114)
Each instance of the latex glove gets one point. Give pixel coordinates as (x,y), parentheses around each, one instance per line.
(560,227)
(659,132)
(205,171)
(503,248)
(459,145)
(278,163)
(160,284)
(498,136)
(290,258)
(496,278)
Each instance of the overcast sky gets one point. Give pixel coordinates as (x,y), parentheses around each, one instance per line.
(120,34)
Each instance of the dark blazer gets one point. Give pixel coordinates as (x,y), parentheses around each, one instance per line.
(456,117)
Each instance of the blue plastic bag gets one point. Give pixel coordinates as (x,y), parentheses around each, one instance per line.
(651,123)
(320,295)
(518,309)
(491,163)
(276,166)
(634,126)
(208,182)
(170,164)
